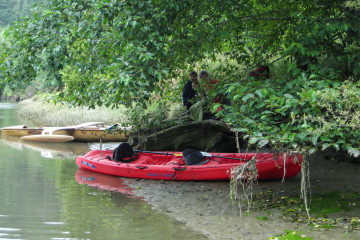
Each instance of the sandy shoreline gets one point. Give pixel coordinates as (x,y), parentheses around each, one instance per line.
(206,207)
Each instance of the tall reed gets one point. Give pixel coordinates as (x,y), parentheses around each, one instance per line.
(40,112)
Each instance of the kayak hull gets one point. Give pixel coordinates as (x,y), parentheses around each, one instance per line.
(172,166)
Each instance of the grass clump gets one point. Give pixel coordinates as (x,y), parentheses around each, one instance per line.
(262,218)
(38,111)
(291,235)
(325,212)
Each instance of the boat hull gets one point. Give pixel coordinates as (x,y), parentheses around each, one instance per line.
(93,135)
(172,167)
(20,131)
(80,135)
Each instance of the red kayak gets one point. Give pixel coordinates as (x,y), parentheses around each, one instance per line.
(172,166)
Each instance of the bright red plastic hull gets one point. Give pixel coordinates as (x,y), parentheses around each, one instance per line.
(172,167)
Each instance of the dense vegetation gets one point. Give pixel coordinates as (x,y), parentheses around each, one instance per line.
(139,52)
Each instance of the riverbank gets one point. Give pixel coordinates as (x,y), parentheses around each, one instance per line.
(206,207)
(37,111)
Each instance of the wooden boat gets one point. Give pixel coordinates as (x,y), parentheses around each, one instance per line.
(21,130)
(172,166)
(58,150)
(86,132)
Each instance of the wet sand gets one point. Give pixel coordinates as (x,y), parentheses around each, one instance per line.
(207,208)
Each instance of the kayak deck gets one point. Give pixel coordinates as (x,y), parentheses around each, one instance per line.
(171,165)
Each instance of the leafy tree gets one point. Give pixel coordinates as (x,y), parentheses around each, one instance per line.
(125,51)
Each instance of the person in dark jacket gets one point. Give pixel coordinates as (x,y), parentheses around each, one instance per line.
(189,93)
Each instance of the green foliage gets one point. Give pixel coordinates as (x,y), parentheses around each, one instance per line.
(262,218)
(291,235)
(153,115)
(326,208)
(139,45)
(306,115)
(134,52)
(334,202)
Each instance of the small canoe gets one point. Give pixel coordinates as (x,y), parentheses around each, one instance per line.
(171,165)
(51,150)
(86,132)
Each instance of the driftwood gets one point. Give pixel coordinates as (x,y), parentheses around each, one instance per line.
(208,135)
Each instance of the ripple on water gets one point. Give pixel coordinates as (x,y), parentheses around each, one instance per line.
(7,105)
(7,233)
(63,238)
(54,223)
(9,229)
(11,238)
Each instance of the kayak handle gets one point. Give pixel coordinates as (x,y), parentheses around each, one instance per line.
(179,168)
(141,167)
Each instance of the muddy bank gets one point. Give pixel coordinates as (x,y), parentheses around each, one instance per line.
(206,207)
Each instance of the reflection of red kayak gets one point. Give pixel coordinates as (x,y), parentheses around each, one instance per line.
(171,166)
(105,182)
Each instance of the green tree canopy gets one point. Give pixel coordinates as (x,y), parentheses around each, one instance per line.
(118,52)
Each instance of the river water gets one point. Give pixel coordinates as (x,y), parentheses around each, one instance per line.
(43,195)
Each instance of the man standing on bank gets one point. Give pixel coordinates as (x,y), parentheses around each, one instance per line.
(189,93)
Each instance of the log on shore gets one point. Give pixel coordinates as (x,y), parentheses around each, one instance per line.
(208,135)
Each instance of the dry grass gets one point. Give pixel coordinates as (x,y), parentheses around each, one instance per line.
(39,112)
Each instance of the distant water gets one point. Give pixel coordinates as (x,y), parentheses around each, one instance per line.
(7,105)
(43,195)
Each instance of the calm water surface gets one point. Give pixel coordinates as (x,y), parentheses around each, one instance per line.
(43,195)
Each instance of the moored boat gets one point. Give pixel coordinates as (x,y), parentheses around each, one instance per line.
(86,132)
(172,166)
(22,130)
(53,150)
